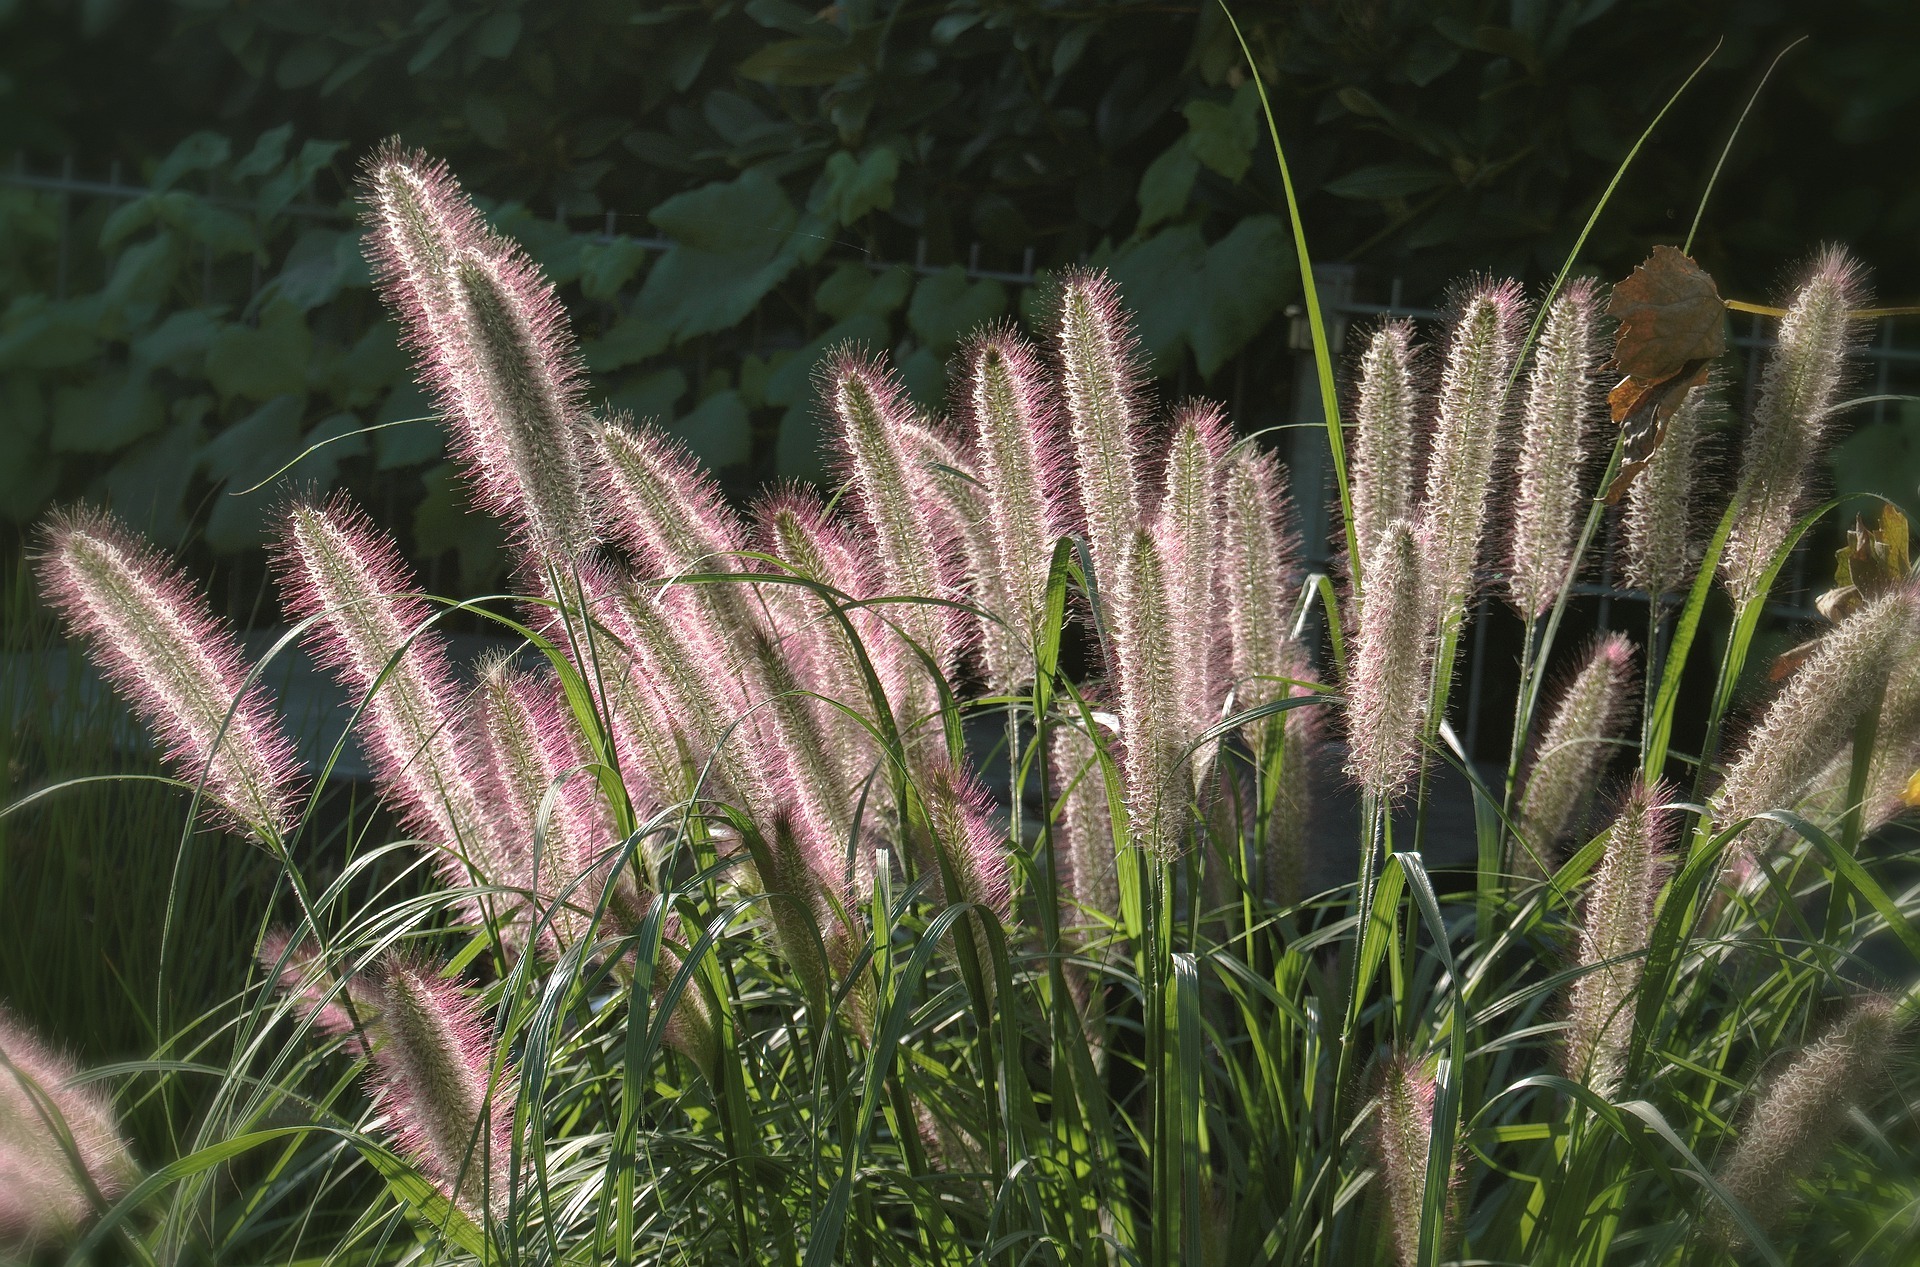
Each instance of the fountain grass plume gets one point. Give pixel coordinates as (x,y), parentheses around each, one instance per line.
(1470,426)
(1258,572)
(548,805)
(1101,380)
(1795,410)
(153,636)
(948,480)
(1403,1135)
(1015,428)
(1385,408)
(493,346)
(960,815)
(1616,920)
(322,995)
(1813,716)
(1389,665)
(1188,529)
(450,1097)
(1660,550)
(872,414)
(1555,430)
(1159,782)
(370,628)
(1088,868)
(60,1143)
(795,528)
(1573,751)
(662,505)
(1802,1112)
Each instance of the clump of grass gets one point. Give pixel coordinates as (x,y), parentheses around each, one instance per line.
(708,938)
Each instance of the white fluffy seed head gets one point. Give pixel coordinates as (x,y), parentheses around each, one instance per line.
(1385,408)
(1802,1112)
(1812,718)
(1555,429)
(1391,662)
(1576,747)
(1615,923)
(1660,550)
(1469,429)
(1159,786)
(1791,418)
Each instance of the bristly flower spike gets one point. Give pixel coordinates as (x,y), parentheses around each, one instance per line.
(1791,418)
(1661,552)
(1404,1136)
(60,1143)
(1188,528)
(493,345)
(1015,431)
(1554,448)
(1383,445)
(872,415)
(1159,786)
(156,640)
(946,480)
(342,573)
(549,803)
(436,1072)
(1802,1113)
(1616,922)
(662,505)
(1468,430)
(1813,717)
(330,1003)
(1391,661)
(1576,747)
(1100,378)
(959,811)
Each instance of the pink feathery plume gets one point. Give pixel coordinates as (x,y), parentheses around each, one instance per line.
(329,1002)
(1101,377)
(1469,439)
(551,801)
(492,343)
(872,415)
(60,1143)
(647,746)
(370,627)
(795,528)
(945,476)
(1188,528)
(973,849)
(1159,777)
(662,505)
(451,1097)
(1014,423)
(150,631)
(1403,1138)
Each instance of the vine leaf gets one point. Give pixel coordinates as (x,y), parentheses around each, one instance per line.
(1672,328)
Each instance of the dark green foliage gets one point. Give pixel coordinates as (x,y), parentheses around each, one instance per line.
(773,145)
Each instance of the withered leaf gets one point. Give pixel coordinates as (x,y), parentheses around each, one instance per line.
(1643,408)
(1670,313)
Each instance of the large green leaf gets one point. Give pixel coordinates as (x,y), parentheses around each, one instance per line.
(848,189)
(802,63)
(946,307)
(105,413)
(445,521)
(718,431)
(1211,299)
(1165,184)
(735,242)
(259,362)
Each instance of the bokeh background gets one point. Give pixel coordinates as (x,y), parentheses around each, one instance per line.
(723,191)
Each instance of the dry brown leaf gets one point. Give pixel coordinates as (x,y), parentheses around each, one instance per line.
(1670,313)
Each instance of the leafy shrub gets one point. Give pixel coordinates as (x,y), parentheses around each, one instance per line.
(725,949)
